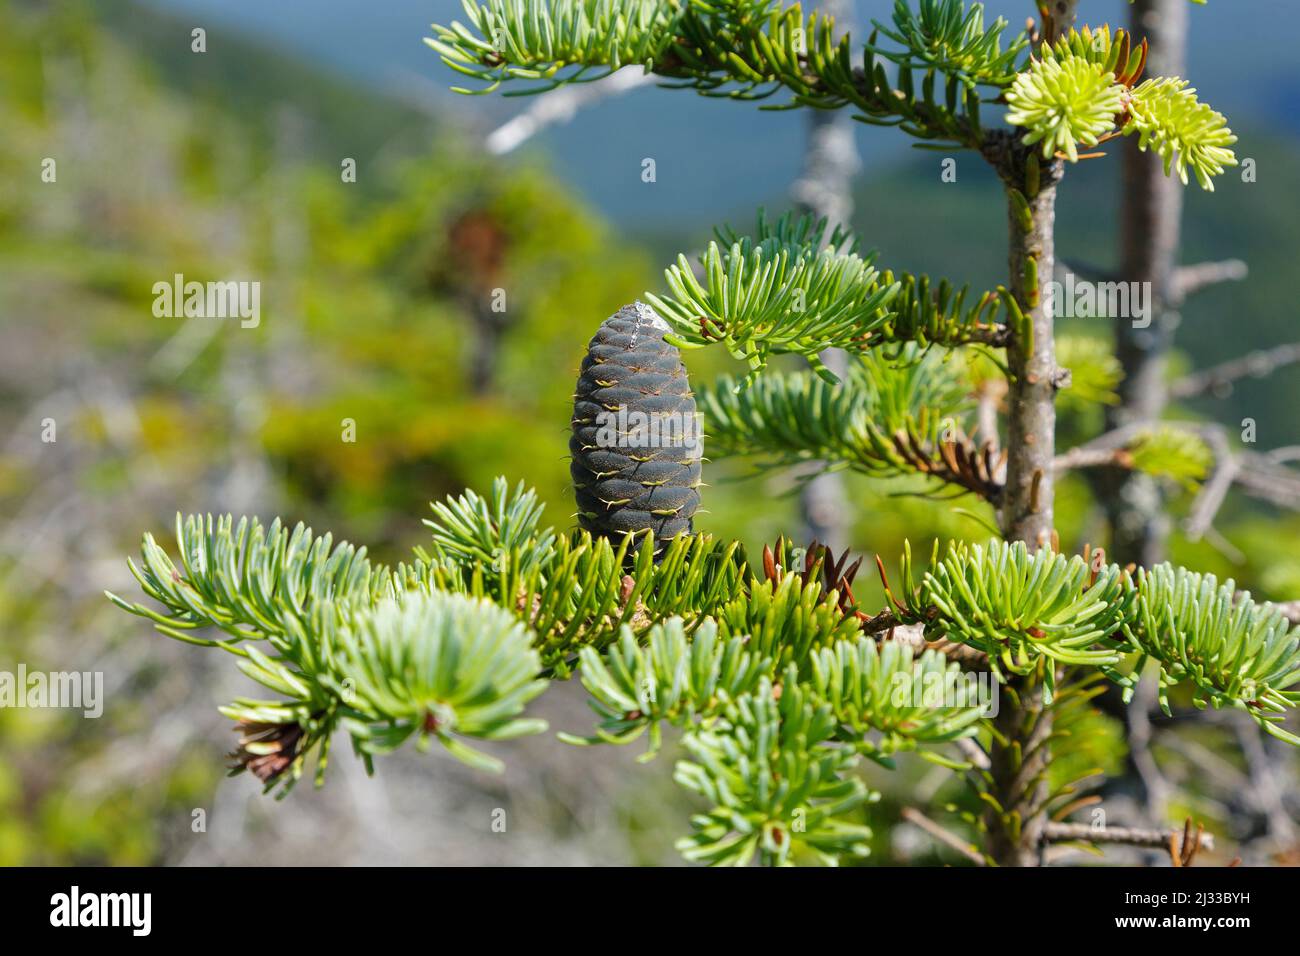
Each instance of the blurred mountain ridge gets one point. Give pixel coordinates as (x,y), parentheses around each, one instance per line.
(712,157)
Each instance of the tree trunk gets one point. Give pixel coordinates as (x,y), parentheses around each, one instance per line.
(1019,783)
(1019,786)
(1151,217)
(1027,507)
(1019,753)
(825,189)
(1151,207)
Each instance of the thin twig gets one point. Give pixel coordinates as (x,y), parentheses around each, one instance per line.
(1263,478)
(972,751)
(1265,788)
(968,850)
(1085,457)
(1154,784)
(1104,450)
(1290,610)
(1189,280)
(560,106)
(989,397)
(1260,475)
(1213,493)
(1126,836)
(1206,763)
(1218,379)
(913,635)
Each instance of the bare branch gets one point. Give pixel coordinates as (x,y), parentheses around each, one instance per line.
(1105,450)
(1138,721)
(1260,475)
(560,107)
(1284,454)
(1127,836)
(1218,379)
(1188,280)
(1217,540)
(1290,610)
(989,397)
(913,635)
(1264,478)
(1207,763)
(973,752)
(1210,500)
(1265,789)
(919,819)
(1084,457)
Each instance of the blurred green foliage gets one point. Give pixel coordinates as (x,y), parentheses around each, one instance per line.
(176,164)
(228,165)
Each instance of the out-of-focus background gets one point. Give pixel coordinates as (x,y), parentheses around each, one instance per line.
(226,164)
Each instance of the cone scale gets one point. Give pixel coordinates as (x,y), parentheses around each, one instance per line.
(636,445)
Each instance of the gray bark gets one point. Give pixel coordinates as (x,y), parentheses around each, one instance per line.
(1151,219)
(1151,206)
(825,189)
(1015,835)
(1027,508)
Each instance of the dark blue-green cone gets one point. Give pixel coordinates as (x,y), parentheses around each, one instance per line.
(636,444)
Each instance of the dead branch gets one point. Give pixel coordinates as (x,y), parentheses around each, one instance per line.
(1126,836)
(1218,379)
(968,850)
(560,106)
(1188,280)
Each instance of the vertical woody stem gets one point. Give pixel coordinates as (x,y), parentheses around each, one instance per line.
(1027,507)
(1151,207)
(825,189)
(1017,766)
(1019,754)
(1151,219)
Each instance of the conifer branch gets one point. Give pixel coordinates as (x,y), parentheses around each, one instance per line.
(780,786)
(739,49)
(451,648)
(1233,651)
(1019,607)
(796,286)
(1083,89)
(904,414)
(753,49)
